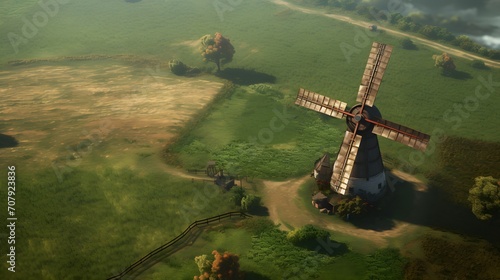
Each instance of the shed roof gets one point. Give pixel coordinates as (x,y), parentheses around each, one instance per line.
(319,196)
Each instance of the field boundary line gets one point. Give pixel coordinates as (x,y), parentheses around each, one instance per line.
(171,243)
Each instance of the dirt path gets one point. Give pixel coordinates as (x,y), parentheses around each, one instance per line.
(365,24)
(286,208)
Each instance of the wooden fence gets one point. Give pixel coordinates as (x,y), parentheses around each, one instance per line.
(179,238)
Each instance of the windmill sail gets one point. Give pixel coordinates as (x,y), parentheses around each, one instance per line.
(345,160)
(374,71)
(364,123)
(401,134)
(320,103)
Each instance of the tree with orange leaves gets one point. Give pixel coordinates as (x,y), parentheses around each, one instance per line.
(224,267)
(217,49)
(445,62)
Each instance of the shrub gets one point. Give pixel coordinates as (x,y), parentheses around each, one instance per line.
(306,233)
(250,203)
(408,44)
(479,64)
(237,194)
(485,198)
(181,69)
(352,206)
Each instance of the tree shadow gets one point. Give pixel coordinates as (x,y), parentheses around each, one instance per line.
(326,247)
(245,77)
(410,47)
(250,275)
(259,211)
(374,221)
(7,141)
(456,74)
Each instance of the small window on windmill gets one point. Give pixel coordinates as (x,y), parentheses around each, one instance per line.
(379,186)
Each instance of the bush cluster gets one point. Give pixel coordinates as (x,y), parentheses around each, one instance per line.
(307,233)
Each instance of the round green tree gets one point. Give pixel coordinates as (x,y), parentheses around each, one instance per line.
(485,198)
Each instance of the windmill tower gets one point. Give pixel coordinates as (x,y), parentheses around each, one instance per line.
(358,169)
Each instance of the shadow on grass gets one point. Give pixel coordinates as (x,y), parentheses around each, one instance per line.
(481,67)
(374,222)
(411,48)
(459,75)
(326,247)
(250,275)
(433,208)
(261,211)
(245,77)
(7,141)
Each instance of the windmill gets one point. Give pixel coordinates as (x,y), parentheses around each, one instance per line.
(358,169)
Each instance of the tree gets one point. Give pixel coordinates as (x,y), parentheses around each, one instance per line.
(445,62)
(395,17)
(250,203)
(467,44)
(352,206)
(485,198)
(349,5)
(204,264)
(224,267)
(408,44)
(218,49)
(430,31)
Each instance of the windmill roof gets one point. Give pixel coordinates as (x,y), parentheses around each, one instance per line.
(324,162)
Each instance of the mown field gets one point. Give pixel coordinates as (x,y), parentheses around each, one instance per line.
(118,203)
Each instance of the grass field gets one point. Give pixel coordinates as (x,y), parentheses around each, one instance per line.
(100,220)
(116,203)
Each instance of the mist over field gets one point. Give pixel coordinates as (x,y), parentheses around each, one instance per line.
(478,19)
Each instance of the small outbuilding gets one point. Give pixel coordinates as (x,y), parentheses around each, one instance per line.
(320,201)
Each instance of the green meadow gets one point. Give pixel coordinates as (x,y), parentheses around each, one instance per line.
(105,213)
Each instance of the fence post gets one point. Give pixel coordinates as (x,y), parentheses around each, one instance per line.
(172,242)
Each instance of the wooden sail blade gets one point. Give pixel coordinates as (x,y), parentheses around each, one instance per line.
(401,134)
(345,161)
(320,103)
(374,71)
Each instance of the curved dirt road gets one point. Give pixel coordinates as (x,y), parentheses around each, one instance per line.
(286,208)
(365,24)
